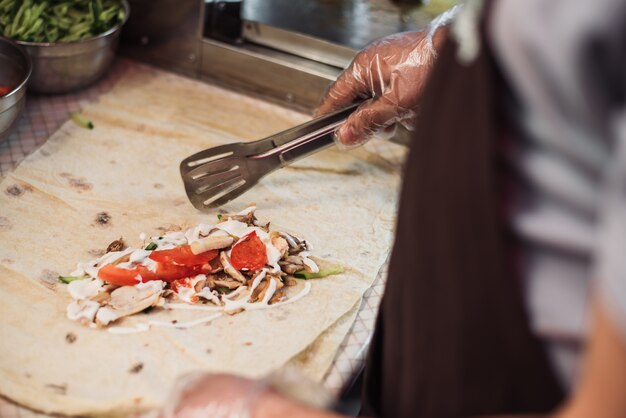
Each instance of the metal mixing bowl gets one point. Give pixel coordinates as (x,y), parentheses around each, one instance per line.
(60,67)
(15,70)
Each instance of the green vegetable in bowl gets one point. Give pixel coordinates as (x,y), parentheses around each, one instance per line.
(58,20)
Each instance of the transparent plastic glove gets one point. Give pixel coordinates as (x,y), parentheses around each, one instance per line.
(201,395)
(390,75)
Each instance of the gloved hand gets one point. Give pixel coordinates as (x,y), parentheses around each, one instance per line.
(391,73)
(212,395)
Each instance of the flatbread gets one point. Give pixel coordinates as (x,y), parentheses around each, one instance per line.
(315,361)
(52,209)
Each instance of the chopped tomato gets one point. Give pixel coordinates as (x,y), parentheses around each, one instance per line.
(186,283)
(182,255)
(128,277)
(177,284)
(4,90)
(249,253)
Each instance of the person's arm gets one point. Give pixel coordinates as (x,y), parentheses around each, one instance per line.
(272,405)
(601,391)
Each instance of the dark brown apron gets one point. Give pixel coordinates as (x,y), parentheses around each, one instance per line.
(452,337)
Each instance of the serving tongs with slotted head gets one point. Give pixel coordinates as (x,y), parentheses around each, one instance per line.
(218,175)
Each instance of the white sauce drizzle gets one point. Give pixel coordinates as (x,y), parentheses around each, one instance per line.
(81,290)
(171,240)
(187,307)
(198,232)
(289,238)
(84,309)
(235,292)
(210,295)
(92,267)
(188,324)
(145,326)
(234,228)
(136,257)
(271,289)
(257,280)
(311,265)
(305,291)
(247,210)
(84,289)
(142,327)
(106,315)
(155,285)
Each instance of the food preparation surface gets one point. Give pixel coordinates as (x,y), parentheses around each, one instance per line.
(45,114)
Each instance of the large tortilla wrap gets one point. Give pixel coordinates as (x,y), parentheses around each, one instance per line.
(127,167)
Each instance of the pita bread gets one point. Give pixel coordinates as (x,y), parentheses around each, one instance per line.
(127,167)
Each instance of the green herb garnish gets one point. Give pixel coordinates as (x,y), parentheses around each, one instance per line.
(69,279)
(151,247)
(80,120)
(320,274)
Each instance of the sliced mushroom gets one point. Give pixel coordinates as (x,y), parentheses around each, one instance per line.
(264,227)
(278,296)
(310,265)
(248,218)
(279,282)
(296,246)
(228,283)
(117,245)
(214,242)
(128,300)
(302,246)
(292,264)
(228,268)
(259,291)
(293,259)
(200,282)
(279,242)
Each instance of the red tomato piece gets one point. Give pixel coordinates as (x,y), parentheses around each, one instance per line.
(177,284)
(249,253)
(128,277)
(4,90)
(187,283)
(182,255)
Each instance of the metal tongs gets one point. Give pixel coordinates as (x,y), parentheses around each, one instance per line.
(218,175)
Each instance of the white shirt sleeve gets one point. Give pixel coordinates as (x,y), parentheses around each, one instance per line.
(566,63)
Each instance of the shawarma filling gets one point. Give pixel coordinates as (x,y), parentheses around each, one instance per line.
(233,265)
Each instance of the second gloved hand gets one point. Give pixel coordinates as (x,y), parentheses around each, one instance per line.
(390,74)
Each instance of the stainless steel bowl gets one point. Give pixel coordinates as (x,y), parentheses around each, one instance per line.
(15,71)
(60,67)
